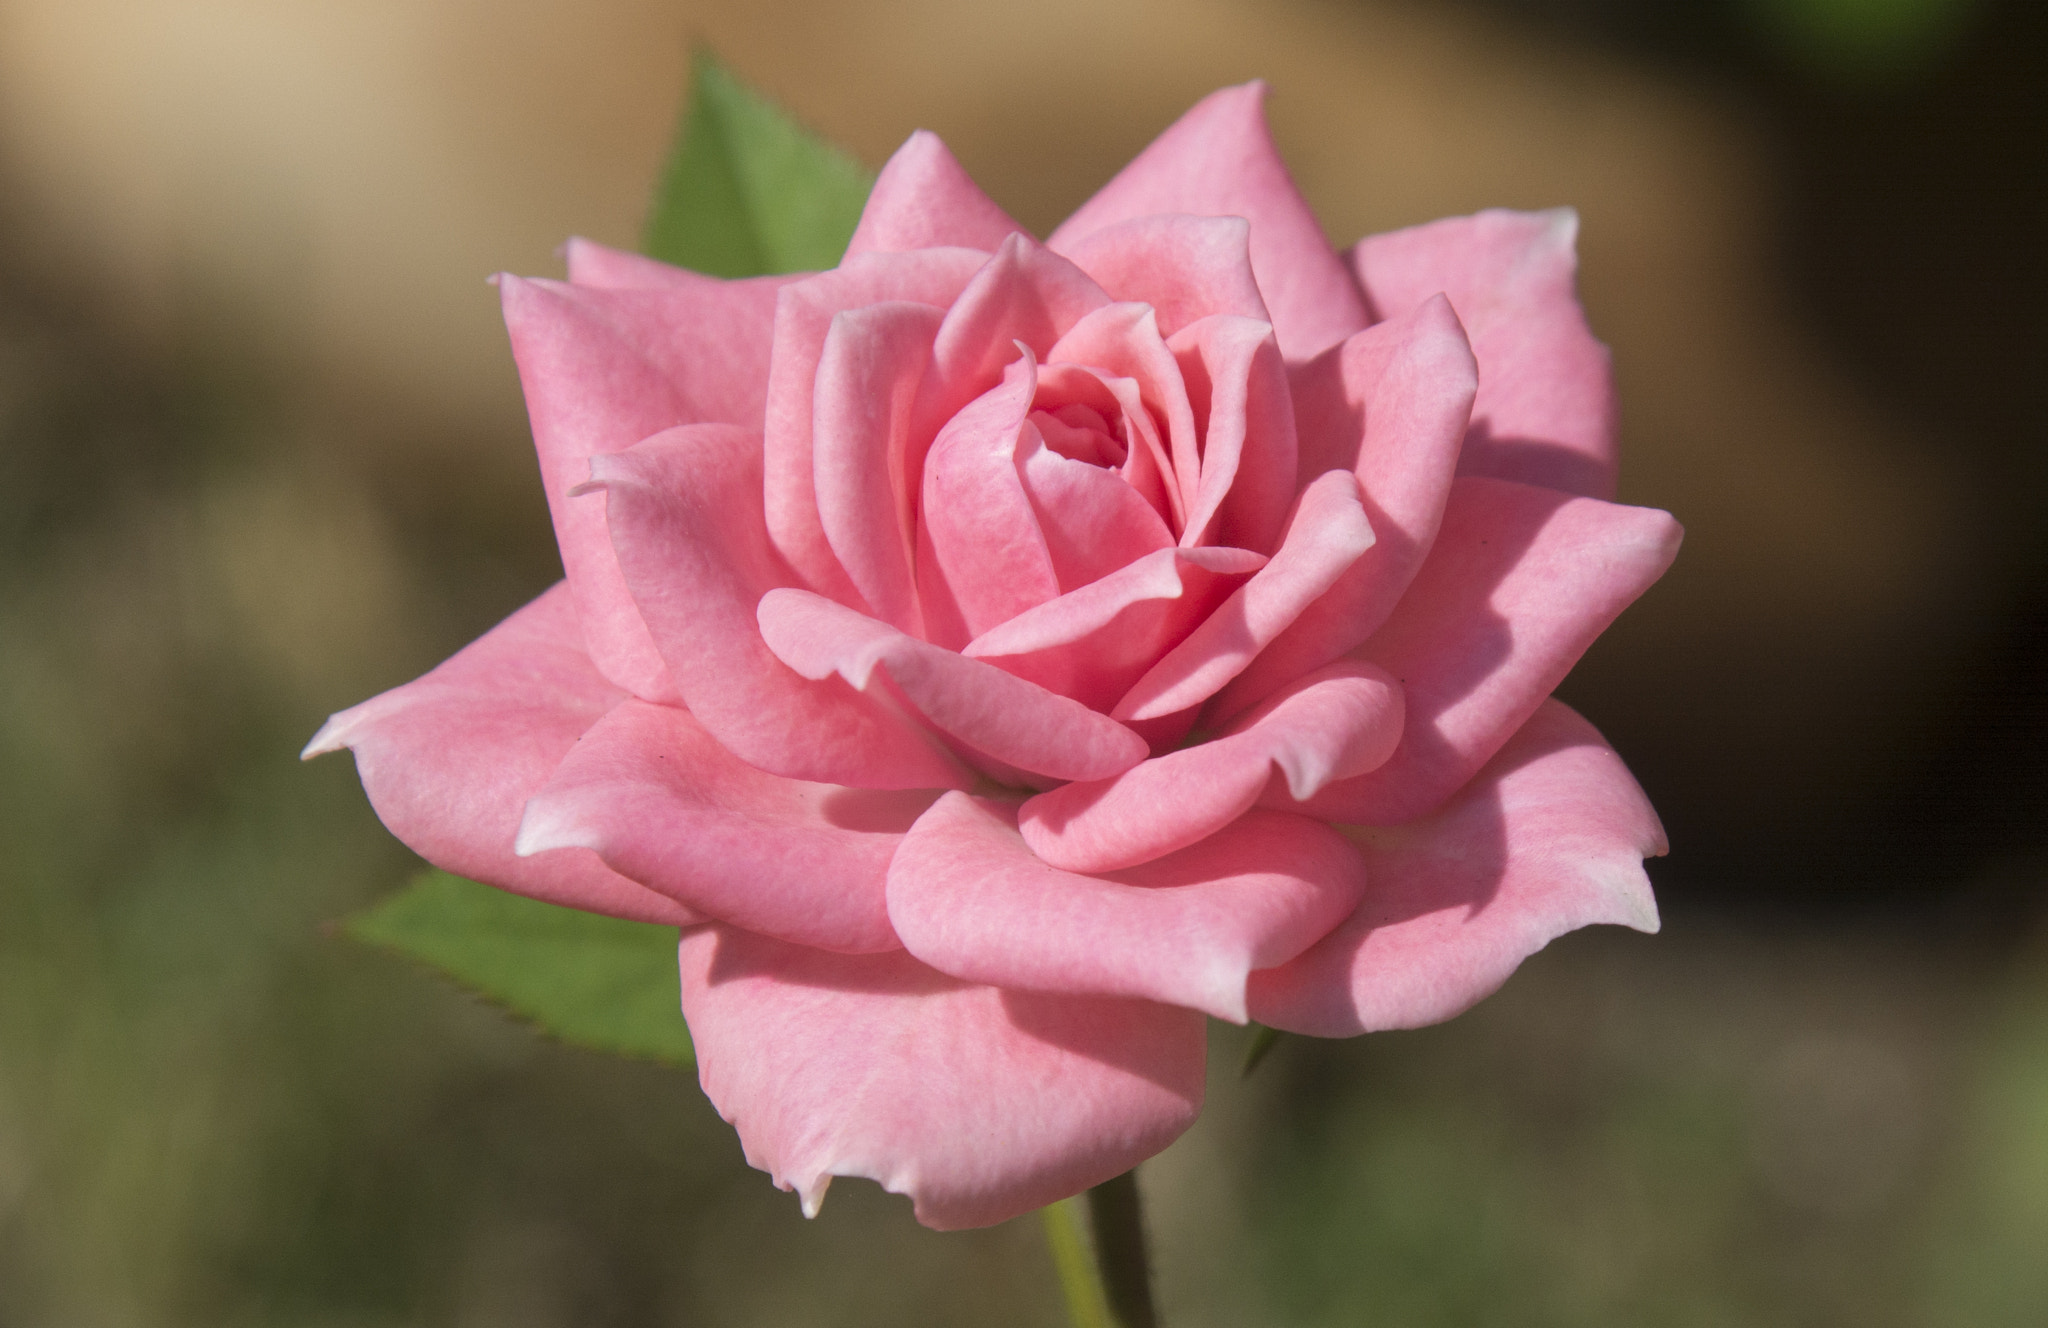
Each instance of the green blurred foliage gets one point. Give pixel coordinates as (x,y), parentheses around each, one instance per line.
(1859,42)
(749,191)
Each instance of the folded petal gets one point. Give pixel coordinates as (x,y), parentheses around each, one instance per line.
(1237,388)
(874,360)
(1549,837)
(1119,346)
(1093,523)
(980,1104)
(989,560)
(685,513)
(603,369)
(1390,404)
(990,714)
(1546,408)
(1093,643)
(1328,533)
(1338,722)
(971,899)
(1147,468)
(1024,295)
(1520,581)
(924,200)
(450,759)
(1218,160)
(655,796)
(1185,267)
(803,319)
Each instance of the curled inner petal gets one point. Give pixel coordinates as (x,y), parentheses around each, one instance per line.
(1336,723)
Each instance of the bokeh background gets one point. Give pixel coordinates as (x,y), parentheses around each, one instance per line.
(262,453)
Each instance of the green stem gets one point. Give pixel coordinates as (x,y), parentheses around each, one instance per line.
(1113,1290)
(1087,1307)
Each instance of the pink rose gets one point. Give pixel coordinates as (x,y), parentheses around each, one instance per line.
(999,656)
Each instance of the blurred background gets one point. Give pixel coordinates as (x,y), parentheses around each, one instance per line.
(262,454)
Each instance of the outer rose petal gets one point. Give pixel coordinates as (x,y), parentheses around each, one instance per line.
(1336,723)
(1550,837)
(923,200)
(602,267)
(1185,267)
(685,512)
(1545,413)
(1521,580)
(450,759)
(1218,160)
(603,369)
(1021,727)
(1391,404)
(979,1104)
(658,799)
(969,898)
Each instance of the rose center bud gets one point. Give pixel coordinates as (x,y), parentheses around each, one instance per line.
(1081,433)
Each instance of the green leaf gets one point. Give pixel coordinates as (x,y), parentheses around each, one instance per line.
(749,191)
(592,981)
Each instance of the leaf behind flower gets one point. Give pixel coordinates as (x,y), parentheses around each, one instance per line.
(748,190)
(595,982)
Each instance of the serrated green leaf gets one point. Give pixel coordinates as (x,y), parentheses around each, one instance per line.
(592,981)
(748,190)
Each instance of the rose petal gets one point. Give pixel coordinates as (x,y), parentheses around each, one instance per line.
(1094,642)
(1147,468)
(685,511)
(803,319)
(1337,723)
(450,759)
(924,200)
(970,899)
(1519,582)
(1550,837)
(602,267)
(1545,413)
(875,358)
(1328,533)
(1092,522)
(1186,268)
(1237,387)
(993,715)
(603,369)
(1121,342)
(979,1104)
(1218,160)
(987,558)
(1024,295)
(655,796)
(1401,393)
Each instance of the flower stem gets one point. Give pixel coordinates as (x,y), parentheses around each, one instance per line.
(1087,1307)
(1113,1290)
(1120,1250)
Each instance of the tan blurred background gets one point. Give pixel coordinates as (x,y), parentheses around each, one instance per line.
(262,453)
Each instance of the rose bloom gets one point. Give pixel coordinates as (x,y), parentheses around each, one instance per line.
(998,656)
